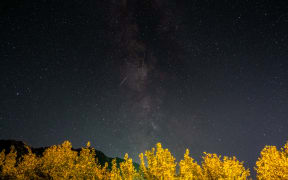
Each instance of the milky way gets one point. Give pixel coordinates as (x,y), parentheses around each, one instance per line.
(139,76)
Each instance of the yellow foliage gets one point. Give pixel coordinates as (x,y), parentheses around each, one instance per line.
(115,172)
(189,170)
(273,163)
(160,165)
(86,166)
(28,166)
(61,162)
(127,169)
(58,161)
(2,158)
(230,168)
(8,166)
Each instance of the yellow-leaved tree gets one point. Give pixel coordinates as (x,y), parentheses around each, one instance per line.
(58,161)
(61,162)
(87,166)
(228,168)
(272,163)
(8,168)
(115,172)
(160,165)
(128,171)
(189,170)
(28,167)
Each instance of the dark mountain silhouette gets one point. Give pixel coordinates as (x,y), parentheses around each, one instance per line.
(21,150)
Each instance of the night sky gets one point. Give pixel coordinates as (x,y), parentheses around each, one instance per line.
(125,74)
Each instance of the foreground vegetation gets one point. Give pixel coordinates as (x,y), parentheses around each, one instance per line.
(61,162)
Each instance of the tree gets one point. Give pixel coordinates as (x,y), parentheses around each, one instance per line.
(228,168)
(273,163)
(127,169)
(28,167)
(8,163)
(58,161)
(189,170)
(161,164)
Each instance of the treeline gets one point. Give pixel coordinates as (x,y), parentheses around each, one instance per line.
(61,162)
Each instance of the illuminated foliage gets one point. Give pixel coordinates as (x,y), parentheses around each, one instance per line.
(189,170)
(28,166)
(273,163)
(61,162)
(86,166)
(127,169)
(58,161)
(161,164)
(228,168)
(2,158)
(8,165)
(115,172)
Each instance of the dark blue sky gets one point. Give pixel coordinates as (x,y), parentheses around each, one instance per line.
(205,75)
